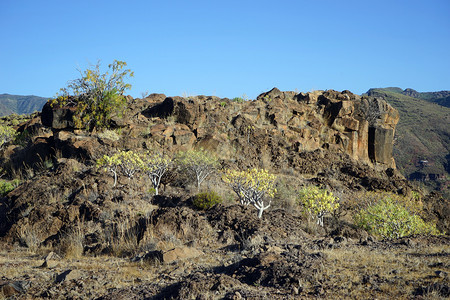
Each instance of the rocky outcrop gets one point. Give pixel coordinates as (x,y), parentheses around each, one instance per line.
(362,127)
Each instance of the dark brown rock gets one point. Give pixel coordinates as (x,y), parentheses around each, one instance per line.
(57,117)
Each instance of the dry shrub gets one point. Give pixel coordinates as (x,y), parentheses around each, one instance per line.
(167,238)
(109,134)
(129,235)
(126,239)
(72,241)
(285,196)
(310,226)
(29,236)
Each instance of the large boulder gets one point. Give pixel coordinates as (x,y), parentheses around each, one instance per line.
(57,117)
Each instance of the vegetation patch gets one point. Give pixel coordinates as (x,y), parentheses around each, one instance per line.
(8,186)
(390,218)
(97,96)
(206,200)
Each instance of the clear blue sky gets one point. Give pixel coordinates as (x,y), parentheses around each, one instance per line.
(227,48)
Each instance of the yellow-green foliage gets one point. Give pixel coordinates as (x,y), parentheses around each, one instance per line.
(8,186)
(390,217)
(109,161)
(97,96)
(412,203)
(250,183)
(154,161)
(251,186)
(199,163)
(127,162)
(206,200)
(131,162)
(6,134)
(317,202)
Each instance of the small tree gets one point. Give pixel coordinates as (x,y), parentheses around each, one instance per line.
(7,134)
(155,166)
(111,164)
(97,96)
(251,187)
(317,202)
(199,163)
(126,162)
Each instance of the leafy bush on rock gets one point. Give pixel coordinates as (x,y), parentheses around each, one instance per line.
(97,96)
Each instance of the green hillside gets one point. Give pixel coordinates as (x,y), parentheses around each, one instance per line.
(10,104)
(423,132)
(441,97)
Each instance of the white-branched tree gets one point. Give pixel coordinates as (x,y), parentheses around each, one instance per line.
(199,163)
(111,164)
(155,166)
(252,186)
(131,163)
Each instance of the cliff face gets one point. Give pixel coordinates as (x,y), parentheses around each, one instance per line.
(339,122)
(362,127)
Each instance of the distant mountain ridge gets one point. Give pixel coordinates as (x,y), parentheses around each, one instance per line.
(441,97)
(422,134)
(18,104)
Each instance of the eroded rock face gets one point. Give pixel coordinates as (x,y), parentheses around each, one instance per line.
(362,127)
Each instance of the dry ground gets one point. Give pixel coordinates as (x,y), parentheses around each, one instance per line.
(408,269)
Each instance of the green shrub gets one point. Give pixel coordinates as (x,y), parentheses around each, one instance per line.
(207,200)
(390,218)
(238,100)
(8,186)
(7,134)
(317,202)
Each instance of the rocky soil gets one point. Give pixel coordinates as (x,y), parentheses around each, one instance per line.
(67,233)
